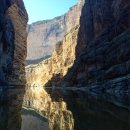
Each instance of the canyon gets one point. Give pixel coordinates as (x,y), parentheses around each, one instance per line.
(92,59)
(84,84)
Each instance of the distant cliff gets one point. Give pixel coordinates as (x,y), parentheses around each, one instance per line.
(43,35)
(13,21)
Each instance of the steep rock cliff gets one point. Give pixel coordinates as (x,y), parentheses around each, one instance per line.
(13,21)
(102,52)
(43,35)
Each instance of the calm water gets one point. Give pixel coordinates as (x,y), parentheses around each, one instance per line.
(90,113)
(33,121)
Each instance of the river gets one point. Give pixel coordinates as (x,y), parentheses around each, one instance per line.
(32,120)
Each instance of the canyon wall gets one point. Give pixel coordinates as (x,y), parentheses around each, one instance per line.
(43,35)
(13,21)
(102,52)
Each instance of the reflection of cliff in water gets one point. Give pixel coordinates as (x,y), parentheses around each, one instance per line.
(31,120)
(92,113)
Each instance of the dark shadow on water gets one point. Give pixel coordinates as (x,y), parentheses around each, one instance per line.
(91,112)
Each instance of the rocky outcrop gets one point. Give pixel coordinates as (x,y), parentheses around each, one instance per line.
(13,21)
(43,35)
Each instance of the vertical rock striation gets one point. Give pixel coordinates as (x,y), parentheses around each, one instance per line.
(13,21)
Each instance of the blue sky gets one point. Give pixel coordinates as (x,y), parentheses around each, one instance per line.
(47,9)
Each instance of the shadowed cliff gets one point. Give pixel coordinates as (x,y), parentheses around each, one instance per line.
(102,52)
(13,21)
(43,35)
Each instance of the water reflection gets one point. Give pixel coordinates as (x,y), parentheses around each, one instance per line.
(92,113)
(31,120)
(89,111)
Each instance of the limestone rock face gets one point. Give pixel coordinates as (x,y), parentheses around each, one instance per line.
(62,59)
(13,21)
(43,35)
(19,19)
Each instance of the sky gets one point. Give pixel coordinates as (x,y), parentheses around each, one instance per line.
(47,9)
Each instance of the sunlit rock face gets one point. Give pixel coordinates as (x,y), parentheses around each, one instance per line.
(13,21)
(49,72)
(43,35)
(62,59)
(52,69)
(57,113)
